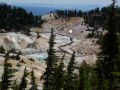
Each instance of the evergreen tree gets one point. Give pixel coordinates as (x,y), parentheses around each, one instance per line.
(15,85)
(7,74)
(71,66)
(23,83)
(33,82)
(67,14)
(59,78)
(2,50)
(100,75)
(16,19)
(110,49)
(18,57)
(49,75)
(70,76)
(93,78)
(84,77)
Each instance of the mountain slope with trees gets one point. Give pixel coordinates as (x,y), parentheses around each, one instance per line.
(14,18)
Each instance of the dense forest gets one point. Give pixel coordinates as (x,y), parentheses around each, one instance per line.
(103,75)
(98,17)
(68,13)
(14,18)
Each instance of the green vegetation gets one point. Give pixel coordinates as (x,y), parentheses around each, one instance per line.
(15,85)
(23,84)
(60,74)
(17,19)
(33,81)
(67,14)
(84,77)
(110,51)
(70,80)
(49,75)
(2,50)
(7,74)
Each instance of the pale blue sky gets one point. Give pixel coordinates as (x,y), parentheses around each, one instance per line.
(86,2)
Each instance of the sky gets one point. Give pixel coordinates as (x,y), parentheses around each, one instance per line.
(84,2)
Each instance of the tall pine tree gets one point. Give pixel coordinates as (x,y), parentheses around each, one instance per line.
(110,48)
(23,84)
(85,77)
(70,78)
(51,62)
(15,85)
(7,74)
(100,75)
(33,81)
(59,78)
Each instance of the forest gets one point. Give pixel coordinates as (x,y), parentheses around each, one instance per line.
(13,18)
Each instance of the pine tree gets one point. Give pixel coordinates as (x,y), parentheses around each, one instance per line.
(18,57)
(71,67)
(70,76)
(59,78)
(51,61)
(82,79)
(7,74)
(110,48)
(116,61)
(93,78)
(85,77)
(33,82)
(23,83)
(15,85)
(2,50)
(100,75)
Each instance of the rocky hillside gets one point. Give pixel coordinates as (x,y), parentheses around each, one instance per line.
(70,36)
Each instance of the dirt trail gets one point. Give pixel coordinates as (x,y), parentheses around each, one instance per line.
(68,44)
(61,47)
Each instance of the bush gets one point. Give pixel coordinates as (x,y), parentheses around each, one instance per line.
(2,50)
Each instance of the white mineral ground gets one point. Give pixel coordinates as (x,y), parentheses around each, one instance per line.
(70,36)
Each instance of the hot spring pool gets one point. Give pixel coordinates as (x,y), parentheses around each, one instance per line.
(38,56)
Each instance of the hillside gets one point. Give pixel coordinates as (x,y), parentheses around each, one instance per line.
(35,48)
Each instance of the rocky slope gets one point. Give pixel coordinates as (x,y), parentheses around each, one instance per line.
(70,36)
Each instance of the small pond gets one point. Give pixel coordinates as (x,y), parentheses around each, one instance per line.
(38,56)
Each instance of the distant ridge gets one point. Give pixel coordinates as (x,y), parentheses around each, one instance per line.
(63,6)
(38,10)
(42,9)
(45,9)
